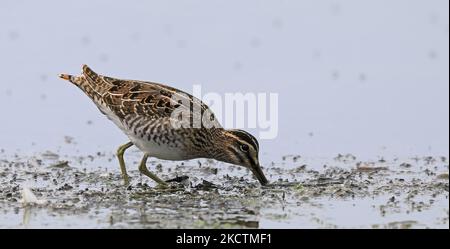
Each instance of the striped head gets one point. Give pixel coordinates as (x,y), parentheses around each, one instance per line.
(241,148)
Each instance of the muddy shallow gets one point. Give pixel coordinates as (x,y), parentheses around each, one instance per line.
(340,192)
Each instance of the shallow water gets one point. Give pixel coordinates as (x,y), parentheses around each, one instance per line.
(367,78)
(341,192)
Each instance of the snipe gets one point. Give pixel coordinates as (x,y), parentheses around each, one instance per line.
(144,111)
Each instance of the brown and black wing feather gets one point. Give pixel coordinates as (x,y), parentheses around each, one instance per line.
(132,97)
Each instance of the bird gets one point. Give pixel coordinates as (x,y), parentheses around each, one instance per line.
(159,120)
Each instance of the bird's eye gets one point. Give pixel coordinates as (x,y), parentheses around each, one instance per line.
(244,148)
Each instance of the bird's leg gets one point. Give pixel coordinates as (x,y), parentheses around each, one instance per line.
(143,169)
(120,152)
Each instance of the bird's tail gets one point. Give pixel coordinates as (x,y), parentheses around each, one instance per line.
(68,77)
(89,82)
(78,80)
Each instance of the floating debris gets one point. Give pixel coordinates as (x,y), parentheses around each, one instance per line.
(369,167)
(68,139)
(61,164)
(178,179)
(443,176)
(50,155)
(205,185)
(405,165)
(28,198)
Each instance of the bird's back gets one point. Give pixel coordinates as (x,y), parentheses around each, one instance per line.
(144,111)
(132,97)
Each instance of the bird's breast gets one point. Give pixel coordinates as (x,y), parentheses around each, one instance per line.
(166,149)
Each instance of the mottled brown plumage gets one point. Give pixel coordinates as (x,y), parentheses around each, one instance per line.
(145,111)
